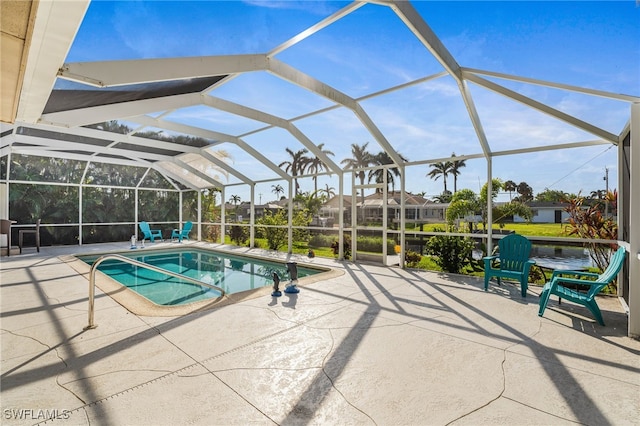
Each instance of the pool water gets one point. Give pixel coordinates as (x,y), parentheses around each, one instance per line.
(233,274)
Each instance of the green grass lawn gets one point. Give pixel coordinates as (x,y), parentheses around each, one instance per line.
(529,229)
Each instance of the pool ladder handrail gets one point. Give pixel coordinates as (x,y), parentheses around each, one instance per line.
(94,268)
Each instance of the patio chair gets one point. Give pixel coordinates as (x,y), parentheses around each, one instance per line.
(578,278)
(36,232)
(514,262)
(176,233)
(149,233)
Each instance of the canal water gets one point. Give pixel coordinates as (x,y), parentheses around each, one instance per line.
(561,257)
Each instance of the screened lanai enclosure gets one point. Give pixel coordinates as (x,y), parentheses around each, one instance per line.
(237,116)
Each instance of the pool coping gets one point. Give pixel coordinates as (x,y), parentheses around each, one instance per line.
(140,305)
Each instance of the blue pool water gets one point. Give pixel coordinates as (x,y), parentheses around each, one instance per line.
(233,274)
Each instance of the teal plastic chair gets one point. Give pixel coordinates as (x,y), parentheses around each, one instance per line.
(148,233)
(184,233)
(514,263)
(578,278)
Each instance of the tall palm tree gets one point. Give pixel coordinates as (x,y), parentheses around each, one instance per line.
(377,175)
(277,189)
(315,165)
(296,165)
(456,165)
(360,158)
(440,169)
(235,200)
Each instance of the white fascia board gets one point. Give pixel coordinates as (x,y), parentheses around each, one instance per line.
(118,73)
(501,90)
(54,29)
(99,114)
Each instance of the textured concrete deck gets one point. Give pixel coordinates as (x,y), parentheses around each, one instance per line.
(374,345)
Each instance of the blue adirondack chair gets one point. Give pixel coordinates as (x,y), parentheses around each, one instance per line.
(184,233)
(588,298)
(149,233)
(513,256)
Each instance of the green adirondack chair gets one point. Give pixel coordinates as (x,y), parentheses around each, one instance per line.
(588,298)
(149,233)
(513,256)
(184,233)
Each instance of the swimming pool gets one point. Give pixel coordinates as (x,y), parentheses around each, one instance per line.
(232,273)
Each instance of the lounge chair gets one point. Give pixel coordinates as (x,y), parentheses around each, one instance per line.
(184,233)
(149,233)
(36,232)
(513,255)
(579,278)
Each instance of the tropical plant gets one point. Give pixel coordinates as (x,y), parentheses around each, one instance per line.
(440,169)
(451,253)
(510,186)
(315,165)
(456,165)
(445,197)
(552,195)
(525,191)
(587,221)
(327,192)
(275,232)
(296,165)
(377,175)
(239,235)
(277,189)
(309,201)
(360,159)
(463,203)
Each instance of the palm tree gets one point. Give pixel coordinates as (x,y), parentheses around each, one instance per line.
(383,158)
(315,165)
(440,169)
(510,186)
(296,165)
(456,165)
(327,192)
(235,199)
(360,159)
(277,189)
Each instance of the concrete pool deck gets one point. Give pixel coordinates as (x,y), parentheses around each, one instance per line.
(374,345)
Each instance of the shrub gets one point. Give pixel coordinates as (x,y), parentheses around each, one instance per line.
(239,235)
(276,237)
(346,241)
(452,252)
(412,258)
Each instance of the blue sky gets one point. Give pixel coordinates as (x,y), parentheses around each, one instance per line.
(588,44)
